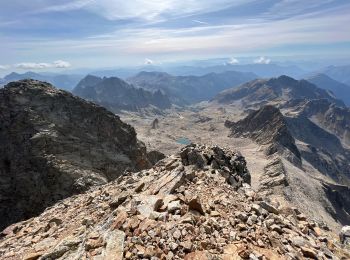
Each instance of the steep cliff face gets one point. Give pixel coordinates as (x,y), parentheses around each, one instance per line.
(54,144)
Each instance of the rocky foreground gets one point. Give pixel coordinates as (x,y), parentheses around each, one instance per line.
(196,204)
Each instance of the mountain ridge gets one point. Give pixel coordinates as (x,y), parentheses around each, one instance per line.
(116,94)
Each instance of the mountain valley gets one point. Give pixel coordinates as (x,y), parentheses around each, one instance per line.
(267,161)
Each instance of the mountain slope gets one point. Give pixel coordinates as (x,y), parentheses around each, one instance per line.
(115,94)
(319,161)
(267,126)
(196,204)
(277,90)
(325,114)
(54,144)
(340,90)
(190,89)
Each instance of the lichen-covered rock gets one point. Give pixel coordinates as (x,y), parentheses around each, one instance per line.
(345,235)
(54,144)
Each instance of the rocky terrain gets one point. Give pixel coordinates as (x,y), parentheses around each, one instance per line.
(276,189)
(307,127)
(196,204)
(115,94)
(190,89)
(54,145)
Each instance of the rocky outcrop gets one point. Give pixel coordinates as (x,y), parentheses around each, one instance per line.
(344,235)
(267,127)
(183,208)
(277,90)
(155,124)
(115,94)
(274,179)
(54,144)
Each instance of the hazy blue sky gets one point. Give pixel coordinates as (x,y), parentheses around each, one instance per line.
(48,34)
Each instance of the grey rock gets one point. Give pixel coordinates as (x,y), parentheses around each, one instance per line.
(344,235)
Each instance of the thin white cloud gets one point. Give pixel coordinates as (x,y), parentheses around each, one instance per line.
(295,7)
(4,67)
(200,22)
(59,64)
(141,9)
(148,62)
(262,60)
(233,61)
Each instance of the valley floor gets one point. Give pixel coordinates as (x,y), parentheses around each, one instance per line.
(204,124)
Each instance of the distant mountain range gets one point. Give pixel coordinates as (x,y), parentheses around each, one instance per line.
(340,90)
(261,70)
(115,94)
(62,81)
(200,69)
(190,89)
(339,73)
(279,89)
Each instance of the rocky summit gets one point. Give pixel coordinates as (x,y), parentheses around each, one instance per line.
(196,204)
(54,144)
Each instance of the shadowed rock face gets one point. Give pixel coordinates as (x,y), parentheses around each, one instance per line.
(115,94)
(339,196)
(267,126)
(54,144)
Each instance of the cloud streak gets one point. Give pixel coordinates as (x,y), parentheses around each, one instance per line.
(59,64)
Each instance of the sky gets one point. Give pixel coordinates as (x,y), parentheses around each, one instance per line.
(60,34)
